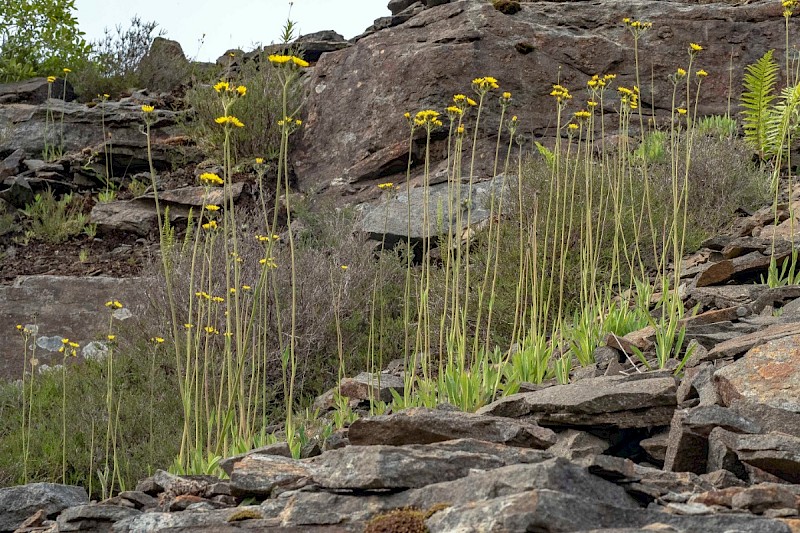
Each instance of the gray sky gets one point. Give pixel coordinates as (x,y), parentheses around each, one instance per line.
(229,23)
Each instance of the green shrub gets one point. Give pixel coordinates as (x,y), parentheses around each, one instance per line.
(260,111)
(115,60)
(54,221)
(139,372)
(39,38)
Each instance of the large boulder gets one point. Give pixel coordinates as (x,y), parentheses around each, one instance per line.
(19,503)
(357,96)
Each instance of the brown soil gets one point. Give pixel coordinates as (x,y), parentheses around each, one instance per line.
(116,255)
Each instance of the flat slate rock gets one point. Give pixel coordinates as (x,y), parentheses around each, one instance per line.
(768,374)
(425,426)
(620,401)
(19,503)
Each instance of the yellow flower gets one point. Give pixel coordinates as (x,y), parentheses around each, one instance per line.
(299,62)
(188,326)
(454,111)
(114,304)
(61,350)
(694,47)
(427,118)
(65,341)
(66,70)
(561,93)
(387,185)
(233,290)
(514,118)
(276,59)
(582,114)
(210,179)
(345,267)
(211,207)
(157,340)
(51,79)
(259,160)
(460,130)
(210,225)
(626,20)
(242,90)
(591,103)
(702,73)
(298,122)
(111,337)
(222,86)
(572,126)
(148,109)
(217,299)
(681,111)
(268,262)
(681,72)
(247,288)
(506,95)
(19,327)
(211,330)
(74,344)
(227,119)
(106,95)
(484,84)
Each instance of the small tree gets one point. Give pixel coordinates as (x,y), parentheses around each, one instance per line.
(39,37)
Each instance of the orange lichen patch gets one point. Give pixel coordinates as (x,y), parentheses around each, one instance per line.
(776,370)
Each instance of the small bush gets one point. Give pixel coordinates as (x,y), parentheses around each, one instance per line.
(54,221)
(115,60)
(139,372)
(260,111)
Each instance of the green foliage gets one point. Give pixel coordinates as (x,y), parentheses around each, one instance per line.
(39,37)
(54,221)
(260,110)
(719,126)
(6,219)
(653,148)
(759,86)
(143,377)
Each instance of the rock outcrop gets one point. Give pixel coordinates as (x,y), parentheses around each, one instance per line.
(357,96)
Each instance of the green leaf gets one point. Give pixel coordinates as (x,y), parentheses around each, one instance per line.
(759,92)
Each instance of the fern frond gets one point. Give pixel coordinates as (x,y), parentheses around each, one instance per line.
(782,125)
(759,86)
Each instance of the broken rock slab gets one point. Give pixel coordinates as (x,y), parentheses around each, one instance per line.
(19,503)
(424,426)
(768,374)
(618,401)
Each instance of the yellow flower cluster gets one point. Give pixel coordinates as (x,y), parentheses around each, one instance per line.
(228,119)
(428,118)
(460,130)
(210,179)
(289,121)
(694,47)
(484,84)
(592,103)
(462,101)
(267,238)
(113,304)
(268,262)
(386,186)
(789,6)
(225,87)
(211,207)
(506,96)
(23,330)
(211,330)
(572,126)
(596,82)
(51,79)
(276,59)
(72,346)
(148,109)
(210,225)
(680,72)
(259,160)
(701,73)
(157,340)
(66,70)
(454,111)
(637,26)
(561,93)
(629,97)
(582,114)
